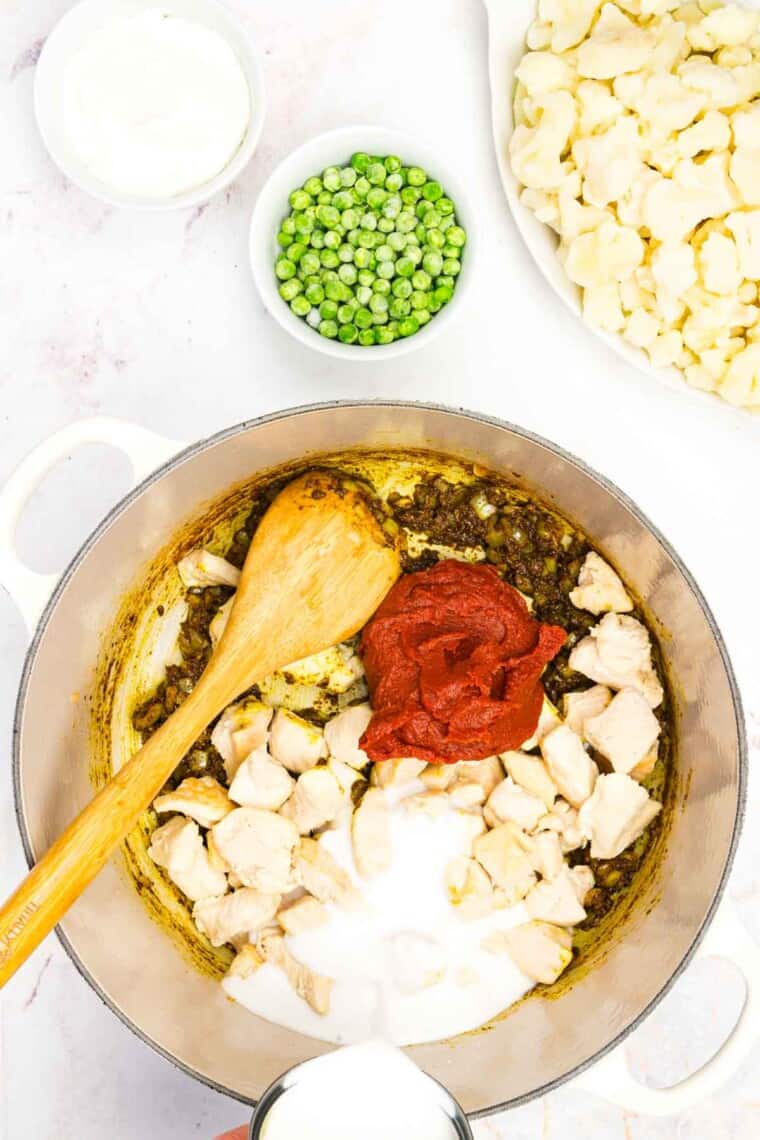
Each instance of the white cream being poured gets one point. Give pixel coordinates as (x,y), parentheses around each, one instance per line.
(155,105)
(405,952)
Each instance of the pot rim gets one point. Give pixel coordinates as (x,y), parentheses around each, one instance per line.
(291,413)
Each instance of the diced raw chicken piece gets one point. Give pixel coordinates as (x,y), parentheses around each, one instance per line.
(417,961)
(295,743)
(391,773)
(465,794)
(438,777)
(241,729)
(343,773)
(334,670)
(427,803)
(199,568)
(246,962)
(625,732)
(323,877)
(215,859)
(240,912)
(618,653)
(583,880)
(370,833)
(579,707)
(218,623)
(646,766)
(599,588)
(485,773)
(178,848)
(556,900)
(312,987)
(531,773)
(316,800)
(260,782)
(547,854)
(563,820)
(343,733)
(475,823)
(548,720)
(569,764)
(509,801)
(469,888)
(259,846)
(306,913)
(616,815)
(505,854)
(540,950)
(203,799)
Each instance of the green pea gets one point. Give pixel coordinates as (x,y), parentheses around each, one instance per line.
(300,306)
(399,307)
(447,220)
(300,199)
(381,318)
(396,241)
(378,304)
(328,310)
(310,262)
(408,326)
(385,253)
(284,240)
(343,200)
(405,266)
(376,173)
(360,161)
(381,286)
(423,316)
(432,191)
(363,294)
(361,256)
(416,176)
(317,239)
(324,198)
(432,263)
(290,289)
(405,222)
(421,280)
(443,294)
(328,216)
(368,222)
(444,206)
(451,265)
(348,176)
(363,318)
(402,287)
(353,237)
(384,335)
(348,333)
(431,220)
(284,268)
(314,293)
(296,251)
(313,186)
(393,206)
(392,163)
(445,279)
(376,197)
(410,195)
(420,232)
(288,225)
(329,258)
(332,240)
(329,329)
(331,178)
(346,313)
(386,270)
(414,253)
(366,240)
(347,273)
(386,225)
(367,337)
(449,250)
(418,299)
(365,277)
(433,305)
(346,252)
(394,182)
(362,187)
(350,218)
(456,236)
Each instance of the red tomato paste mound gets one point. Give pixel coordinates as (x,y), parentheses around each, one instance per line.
(453,661)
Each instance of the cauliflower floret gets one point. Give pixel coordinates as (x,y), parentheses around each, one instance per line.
(599,588)
(672,207)
(178,848)
(609,161)
(323,877)
(668,103)
(642,329)
(344,732)
(569,20)
(316,800)
(531,773)
(602,307)
(578,707)
(203,799)
(539,949)
(542,71)
(370,834)
(719,264)
(301,915)
(631,203)
(745,171)
(713,132)
(259,847)
(615,46)
(618,653)
(240,730)
(667,349)
(598,106)
(260,782)
(570,766)
(717,84)
(556,900)
(536,152)
(616,815)
(576,219)
(544,206)
(726,26)
(746,126)
(539,36)
(674,268)
(296,743)
(745,227)
(610,253)
(508,801)
(748,80)
(199,568)
(416,961)
(505,854)
(625,731)
(243,912)
(741,383)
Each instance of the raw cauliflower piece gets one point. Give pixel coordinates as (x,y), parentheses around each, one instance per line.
(259,847)
(578,707)
(545,206)
(531,773)
(745,125)
(741,383)
(569,20)
(323,877)
(343,732)
(508,801)
(712,132)
(536,152)
(668,103)
(539,949)
(672,207)
(542,71)
(616,46)
(301,915)
(599,588)
(609,161)
(469,888)
(416,961)
(719,264)
(618,653)
(313,988)
(667,349)
(674,268)
(199,568)
(177,846)
(556,900)
(242,728)
(745,226)
(370,834)
(599,108)
(726,26)
(570,766)
(243,912)
(203,799)
(316,800)
(296,743)
(505,854)
(625,732)
(745,171)
(717,84)
(642,329)
(616,815)
(607,254)
(602,307)
(261,783)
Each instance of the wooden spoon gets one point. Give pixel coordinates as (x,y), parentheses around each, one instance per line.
(317,569)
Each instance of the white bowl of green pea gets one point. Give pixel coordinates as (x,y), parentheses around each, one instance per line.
(361,243)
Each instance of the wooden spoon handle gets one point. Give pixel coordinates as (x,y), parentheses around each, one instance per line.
(80,852)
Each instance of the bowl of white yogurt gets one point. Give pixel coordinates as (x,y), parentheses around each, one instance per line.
(150,104)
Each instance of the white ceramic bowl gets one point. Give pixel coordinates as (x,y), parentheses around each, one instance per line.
(69,34)
(334,149)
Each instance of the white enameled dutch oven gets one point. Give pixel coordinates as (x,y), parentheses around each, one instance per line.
(129,960)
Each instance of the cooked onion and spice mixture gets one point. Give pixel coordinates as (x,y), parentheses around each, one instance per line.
(432,818)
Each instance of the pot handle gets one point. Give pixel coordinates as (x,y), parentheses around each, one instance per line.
(145,450)
(611,1079)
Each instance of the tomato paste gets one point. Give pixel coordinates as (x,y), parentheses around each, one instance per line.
(453,661)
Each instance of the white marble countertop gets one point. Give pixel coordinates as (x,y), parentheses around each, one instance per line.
(155,318)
